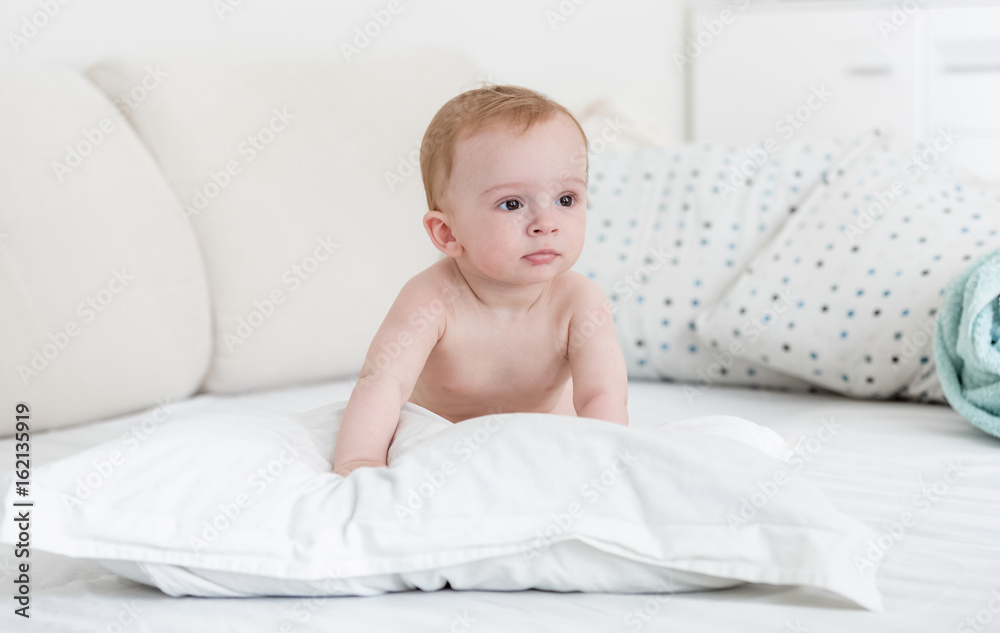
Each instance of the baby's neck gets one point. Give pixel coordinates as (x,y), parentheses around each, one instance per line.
(500,298)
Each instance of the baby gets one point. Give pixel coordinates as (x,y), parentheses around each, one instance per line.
(501,324)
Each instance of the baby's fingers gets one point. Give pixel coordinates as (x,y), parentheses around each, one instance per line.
(346,469)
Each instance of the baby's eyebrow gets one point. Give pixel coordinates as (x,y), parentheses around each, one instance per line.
(515,185)
(506,185)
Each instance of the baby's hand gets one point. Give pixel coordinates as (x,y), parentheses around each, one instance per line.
(345,469)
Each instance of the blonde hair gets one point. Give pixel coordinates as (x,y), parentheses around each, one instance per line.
(472,111)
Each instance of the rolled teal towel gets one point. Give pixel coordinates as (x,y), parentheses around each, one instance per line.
(966,348)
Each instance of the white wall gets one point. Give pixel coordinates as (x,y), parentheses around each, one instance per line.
(617,49)
(578,51)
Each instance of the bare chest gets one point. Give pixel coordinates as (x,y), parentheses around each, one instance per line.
(478,366)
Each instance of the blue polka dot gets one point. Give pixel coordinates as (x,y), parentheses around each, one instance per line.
(664,346)
(843,334)
(906,312)
(665,322)
(693,349)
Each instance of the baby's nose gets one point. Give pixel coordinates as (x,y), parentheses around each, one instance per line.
(544,216)
(544,221)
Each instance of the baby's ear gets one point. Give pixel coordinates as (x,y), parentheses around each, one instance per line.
(436,224)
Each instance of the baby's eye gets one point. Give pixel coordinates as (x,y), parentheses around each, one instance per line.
(510,205)
(567,200)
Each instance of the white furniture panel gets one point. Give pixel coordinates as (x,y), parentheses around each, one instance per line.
(912,73)
(963,84)
(763,67)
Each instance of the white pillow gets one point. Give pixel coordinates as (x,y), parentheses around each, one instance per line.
(668,231)
(238,505)
(867,258)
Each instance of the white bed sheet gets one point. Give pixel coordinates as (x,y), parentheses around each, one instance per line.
(943,568)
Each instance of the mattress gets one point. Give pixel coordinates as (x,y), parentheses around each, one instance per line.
(924,479)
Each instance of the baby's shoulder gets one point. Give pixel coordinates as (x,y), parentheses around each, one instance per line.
(579,292)
(437,282)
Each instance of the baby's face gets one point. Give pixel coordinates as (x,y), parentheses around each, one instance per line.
(511,195)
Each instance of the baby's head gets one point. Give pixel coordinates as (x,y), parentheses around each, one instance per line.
(505,172)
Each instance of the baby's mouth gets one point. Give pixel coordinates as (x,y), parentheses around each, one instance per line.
(542,257)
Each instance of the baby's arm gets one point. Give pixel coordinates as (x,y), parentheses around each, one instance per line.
(387,382)
(600,379)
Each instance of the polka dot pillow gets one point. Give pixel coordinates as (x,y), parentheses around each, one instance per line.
(850,287)
(668,230)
